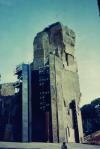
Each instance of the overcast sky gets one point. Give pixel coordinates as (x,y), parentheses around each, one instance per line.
(20,20)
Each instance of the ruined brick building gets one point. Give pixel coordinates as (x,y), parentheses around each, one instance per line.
(10,113)
(49,89)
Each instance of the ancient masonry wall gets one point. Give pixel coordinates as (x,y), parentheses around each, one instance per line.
(54,46)
(7,89)
(64,89)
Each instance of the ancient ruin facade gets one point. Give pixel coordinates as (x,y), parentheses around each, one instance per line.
(48,92)
(10,113)
(54,49)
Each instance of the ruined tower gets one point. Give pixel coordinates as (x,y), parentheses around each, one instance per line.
(45,107)
(54,49)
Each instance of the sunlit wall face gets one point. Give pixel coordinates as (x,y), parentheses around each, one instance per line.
(21,20)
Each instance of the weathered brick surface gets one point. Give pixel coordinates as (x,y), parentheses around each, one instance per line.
(7,89)
(54,46)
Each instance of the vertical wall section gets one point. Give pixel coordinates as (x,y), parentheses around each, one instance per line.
(25,95)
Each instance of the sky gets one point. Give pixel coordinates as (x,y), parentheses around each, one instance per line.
(21,20)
